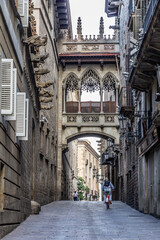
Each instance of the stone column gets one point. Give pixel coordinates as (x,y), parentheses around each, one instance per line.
(101,94)
(59,135)
(79,100)
(64,99)
(117,87)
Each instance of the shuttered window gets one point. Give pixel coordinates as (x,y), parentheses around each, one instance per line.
(7,87)
(26,120)
(12,117)
(25,17)
(21,7)
(20,115)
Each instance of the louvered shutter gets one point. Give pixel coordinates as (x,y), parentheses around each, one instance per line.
(12,117)
(26,120)
(20,114)
(7,87)
(21,7)
(26,11)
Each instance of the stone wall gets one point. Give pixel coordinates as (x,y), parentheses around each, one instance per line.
(28,169)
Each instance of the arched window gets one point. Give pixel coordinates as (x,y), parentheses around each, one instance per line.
(71,96)
(72,83)
(109,93)
(90,81)
(109,82)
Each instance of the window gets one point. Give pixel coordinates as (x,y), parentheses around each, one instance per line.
(23,9)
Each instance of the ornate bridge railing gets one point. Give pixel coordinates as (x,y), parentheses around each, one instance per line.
(109,107)
(91,107)
(71,107)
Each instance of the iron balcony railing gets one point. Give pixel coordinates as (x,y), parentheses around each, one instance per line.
(126,97)
(144,124)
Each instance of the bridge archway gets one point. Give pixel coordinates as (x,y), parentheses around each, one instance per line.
(71,133)
(90,134)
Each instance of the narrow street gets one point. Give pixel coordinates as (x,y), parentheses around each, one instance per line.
(87,220)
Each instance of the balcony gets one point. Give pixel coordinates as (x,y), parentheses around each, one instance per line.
(72,107)
(126,102)
(148,56)
(90,107)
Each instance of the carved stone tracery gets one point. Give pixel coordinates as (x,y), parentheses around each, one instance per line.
(109,82)
(71,118)
(109,118)
(90,118)
(72,83)
(90,81)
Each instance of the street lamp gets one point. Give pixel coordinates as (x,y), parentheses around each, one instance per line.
(123,123)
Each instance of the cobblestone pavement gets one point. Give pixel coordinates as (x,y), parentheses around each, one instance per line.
(67,220)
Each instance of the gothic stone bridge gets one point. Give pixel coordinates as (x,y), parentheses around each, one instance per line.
(88,65)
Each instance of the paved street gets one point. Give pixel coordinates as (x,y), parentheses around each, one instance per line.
(66,220)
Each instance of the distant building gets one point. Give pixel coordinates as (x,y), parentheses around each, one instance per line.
(88,164)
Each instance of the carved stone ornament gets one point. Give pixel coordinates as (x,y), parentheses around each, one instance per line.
(41,71)
(45,93)
(46,99)
(109,82)
(90,47)
(71,119)
(90,118)
(109,118)
(109,47)
(71,48)
(39,58)
(72,83)
(45,107)
(36,40)
(44,84)
(90,81)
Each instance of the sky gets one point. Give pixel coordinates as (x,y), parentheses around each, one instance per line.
(90,12)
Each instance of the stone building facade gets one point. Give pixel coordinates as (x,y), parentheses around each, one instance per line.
(139,169)
(69,171)
(28,139)
(88,167)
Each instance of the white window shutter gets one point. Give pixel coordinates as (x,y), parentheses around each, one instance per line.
(12,117)
(7,87)
(20,114)
(26,14)
(26,120)
(21,7)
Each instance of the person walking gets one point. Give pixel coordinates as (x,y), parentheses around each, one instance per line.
(75,196)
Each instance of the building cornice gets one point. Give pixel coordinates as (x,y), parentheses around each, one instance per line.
(89,148)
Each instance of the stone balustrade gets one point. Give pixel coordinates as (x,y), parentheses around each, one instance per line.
(103,120)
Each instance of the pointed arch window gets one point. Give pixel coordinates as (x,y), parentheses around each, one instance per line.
(109,89)
(90,81)
(109,83)
(72,83)
(71,94)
